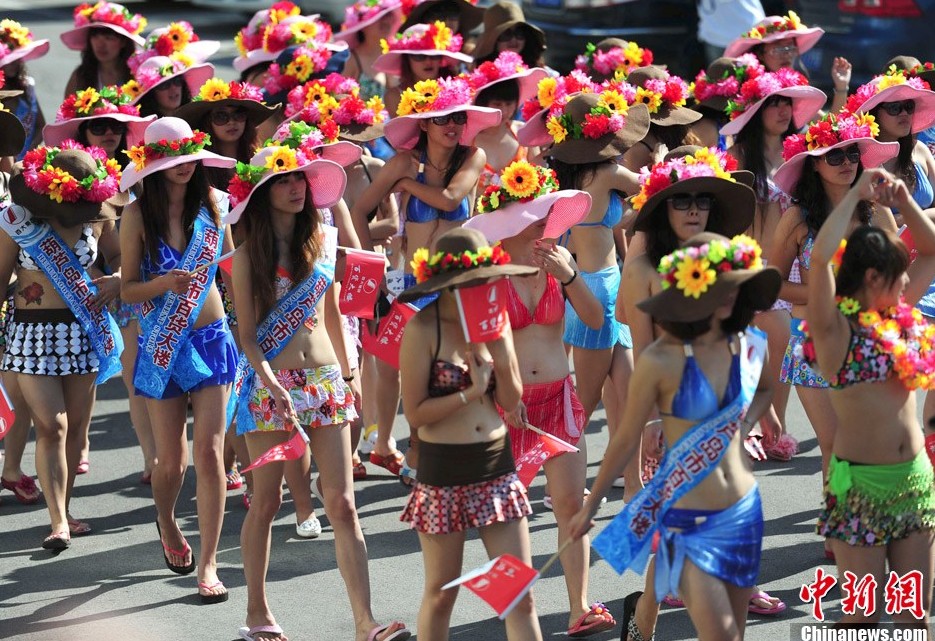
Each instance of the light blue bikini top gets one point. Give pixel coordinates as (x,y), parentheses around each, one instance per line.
(923,194)
(613,215)
(695,399)
(418,211)
(169,259)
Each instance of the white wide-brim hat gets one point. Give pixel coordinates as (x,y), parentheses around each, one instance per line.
(564,209)
(403,131)
(77,39)
(35,49)
(806,103)
(54,133)
(873,153)
(924,115)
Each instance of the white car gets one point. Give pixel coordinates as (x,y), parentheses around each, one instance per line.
(331,11)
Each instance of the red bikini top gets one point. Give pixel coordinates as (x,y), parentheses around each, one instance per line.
(549,310)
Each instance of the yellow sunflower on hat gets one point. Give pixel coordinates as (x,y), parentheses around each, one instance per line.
(694,276)
(214,89)
(282,159)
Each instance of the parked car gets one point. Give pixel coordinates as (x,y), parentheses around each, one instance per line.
(332,11)
(667,27)
(867,33)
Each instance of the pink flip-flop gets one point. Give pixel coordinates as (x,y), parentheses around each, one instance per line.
(756,609)
(249,634)
(673,602)
(399,635)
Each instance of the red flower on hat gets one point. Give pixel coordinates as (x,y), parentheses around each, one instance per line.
(595,126)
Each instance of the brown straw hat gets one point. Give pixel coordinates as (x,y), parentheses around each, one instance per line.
(577,151)
(759,287)
(501,17)
(456,242)
(666,114)
(908,63)
(470,15)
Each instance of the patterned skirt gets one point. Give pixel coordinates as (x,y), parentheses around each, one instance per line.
(47,342)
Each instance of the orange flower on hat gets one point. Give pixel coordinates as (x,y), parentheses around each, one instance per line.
(132,88)
(520,179)
(179,35)
(546,91)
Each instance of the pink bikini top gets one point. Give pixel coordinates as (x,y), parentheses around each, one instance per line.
(549,310)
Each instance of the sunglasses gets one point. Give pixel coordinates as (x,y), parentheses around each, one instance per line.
(177,81)
(420,57)
(511,34)
(836,157)
(896,108)
(102,126)
(220,118)
(683,202)
(784,51)
(458,118)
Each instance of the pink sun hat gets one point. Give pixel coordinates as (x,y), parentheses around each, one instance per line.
(550,98)
(896,86)
(168,142)
(156,70)
(107,15)
(321,138)
(90,104)
(833,131)
(435,40)
(528,194)
(806,101)
(250,37)
(295,30)
(326,178)
(773,28)
(508,65)
(17,43)
(175,38)
(364,13)
(446,96)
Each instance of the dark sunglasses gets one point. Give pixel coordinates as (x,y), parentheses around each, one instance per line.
(102,126)
(836,157)
(896,108)
(220,118)
(511,34)
(177,81)
(776,101)
(420,57)
(683,202)
(458,118)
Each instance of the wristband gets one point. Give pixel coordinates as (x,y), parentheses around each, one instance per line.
(574,275)
(463,398)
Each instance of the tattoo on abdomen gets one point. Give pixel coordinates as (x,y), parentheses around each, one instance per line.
(32,293)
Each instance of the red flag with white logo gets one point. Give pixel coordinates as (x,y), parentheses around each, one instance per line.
(483,310)
(360,287)
(528,465)
(502,583)
(7,414)
(289,450)
(385,345)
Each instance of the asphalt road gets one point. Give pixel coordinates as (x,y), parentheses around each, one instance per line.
(113,584)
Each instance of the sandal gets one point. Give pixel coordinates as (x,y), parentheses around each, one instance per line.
(24,489)
(783,449)
(392,462)
(83,467)
(762,595)
(603,622)
(407,476)
(245,497)
(234,480)
(77,528)
(630,629)
(359,471)
(400,635)
(673,601)
(212,597)
(57,541)
(185,551)
(146,478)
(250,634)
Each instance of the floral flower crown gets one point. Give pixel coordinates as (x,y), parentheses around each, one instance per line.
(703,163)
(788,22)
(277,37)
(109,13)
(363,10)
(745,68)
(167,41)
(552,93)
(306,60)
(146,79)
(756,89)
(61,186)
(96,102)
(13,36)
(606,117)
(506,64)
(435,95)
(829,131)
(335,98)
(616,62)
(695,269)
(283,158)
(670,92)
(215,89)
(892,78)
(303,136)
(251,37)
(520,181)
(921,68)
(425,266)
(143,154)
(434,37)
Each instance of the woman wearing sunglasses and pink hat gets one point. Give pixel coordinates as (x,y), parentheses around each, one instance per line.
(162,84)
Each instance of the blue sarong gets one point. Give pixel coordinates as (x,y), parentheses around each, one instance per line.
(604,285)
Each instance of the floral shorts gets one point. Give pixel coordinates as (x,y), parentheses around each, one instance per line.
(319,395)
(795,369)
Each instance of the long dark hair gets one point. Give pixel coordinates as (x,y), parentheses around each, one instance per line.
(870,248)
(149,107)
(750,141)
(304,249)
(809,194)
(86,73)
(457,158)
(220,177)
(574,176)
(905,167)
(673,136)
(661,238)
(153,207)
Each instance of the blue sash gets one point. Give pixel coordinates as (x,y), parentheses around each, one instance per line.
(166,322)
(626,541)
(71,281)
(273,334)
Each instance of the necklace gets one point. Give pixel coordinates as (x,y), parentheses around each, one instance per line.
(436,167)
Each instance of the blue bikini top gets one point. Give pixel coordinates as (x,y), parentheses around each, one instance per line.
(418,211)
(612,216)
(923,194)
(695,399)
(169,259)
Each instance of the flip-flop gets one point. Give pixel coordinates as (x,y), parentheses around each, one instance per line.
(359,471)
(166,551)
(673,602)
(57,541)
(208,599)
(24,489)
(78,528)
(400,635)
(603,622)
(249,634)
(83,467)
(756,609)
(391,462)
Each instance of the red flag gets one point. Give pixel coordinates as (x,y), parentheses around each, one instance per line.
(502,583)
(385,345)
(7,415)
(289,450)
(483,310)
(361,284)
(906,236)
(527,465)
(227,264)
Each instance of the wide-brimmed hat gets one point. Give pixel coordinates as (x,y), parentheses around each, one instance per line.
(168,142)
(743,176)
(68,185)
(806,101)
(527,194)
(503,16)
(326,178)
(251,36)
(699,277)
(596,127)
(612,58)
(773,28)
(435,40)
(552,94)
(364,13)
(17,43)
(159,69)
(507,66)
(321,138)
(299,64)
(469,14)
(832,131)
(106,15)
(461,257)
(664,95)
(337,98)
(216,93)
(431,98)
(292,31)
(90,104)
(177,38)
(895,86)
(721,81)
(913,67)
(706,171)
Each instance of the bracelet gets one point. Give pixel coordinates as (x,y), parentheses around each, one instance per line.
(574,275)
(348,379)
(463,398)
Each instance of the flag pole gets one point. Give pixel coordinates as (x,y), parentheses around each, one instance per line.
(212,263)
(554,557)
(554,438)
